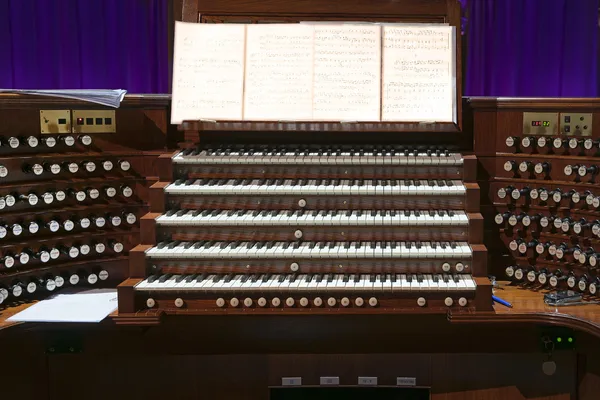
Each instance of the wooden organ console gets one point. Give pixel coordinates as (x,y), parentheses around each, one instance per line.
(74,185)
(273,217)
(541,157)
(281,259)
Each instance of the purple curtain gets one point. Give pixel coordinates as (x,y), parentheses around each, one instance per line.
(532,48)
(84,44)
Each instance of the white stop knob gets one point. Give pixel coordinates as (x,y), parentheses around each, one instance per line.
(462,302)
(276,302)
(234,302)
(294,267)
(345,301)
(178,302)
(331,302)
(220,302)
(446,267)
(262,302)
(448,301)
(359,302)
(318,302)
(302,203)
(248,302)
(421,302)
(289,302)
(459,267)
(304,302)
(298,234)
(150,303)
(373,302)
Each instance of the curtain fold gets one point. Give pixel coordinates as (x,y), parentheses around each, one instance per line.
(532,48)
(84,44)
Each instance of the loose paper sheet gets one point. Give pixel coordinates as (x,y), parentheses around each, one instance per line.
(91,305)
(419,73)
(208,72)
(279,68)
(347,72)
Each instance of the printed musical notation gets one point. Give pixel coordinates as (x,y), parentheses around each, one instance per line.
(315,71)
(208,73)
(279,68)
(346,85)
(418,81)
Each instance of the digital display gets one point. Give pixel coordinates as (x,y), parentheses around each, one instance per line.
(540,123)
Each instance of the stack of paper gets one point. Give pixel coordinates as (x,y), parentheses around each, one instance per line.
(72,305)
(106,97)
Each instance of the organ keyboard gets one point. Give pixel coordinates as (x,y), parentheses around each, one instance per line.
(324,156)
(258,228)
(279,187)
(410,218)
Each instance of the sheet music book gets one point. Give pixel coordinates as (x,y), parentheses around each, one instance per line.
(324,71)
(208,72)
(419,73)
(347,79)
(106,97)
(279,72)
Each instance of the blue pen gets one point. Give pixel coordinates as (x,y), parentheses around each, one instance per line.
(503,302)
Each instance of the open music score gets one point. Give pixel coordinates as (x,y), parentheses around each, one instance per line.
(208,72)
(315,72)
(347,73)
(417,62)
(279,63)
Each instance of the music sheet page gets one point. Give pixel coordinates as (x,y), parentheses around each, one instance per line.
(208,72)
(418,82)
(347,72)
(279,68)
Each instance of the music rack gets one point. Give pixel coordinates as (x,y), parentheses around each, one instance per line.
(75,186)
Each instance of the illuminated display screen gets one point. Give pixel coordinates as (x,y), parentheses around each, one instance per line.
(540,123)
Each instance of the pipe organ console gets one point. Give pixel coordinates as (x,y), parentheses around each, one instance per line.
(544,198)
(316,258)
(255,217)
(310,229)
(73,187)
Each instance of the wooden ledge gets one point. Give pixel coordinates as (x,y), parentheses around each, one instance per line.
(529,308)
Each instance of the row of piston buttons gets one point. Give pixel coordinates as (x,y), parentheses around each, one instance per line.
(580,170)
(305,302)
(446,267)
(544,277)
(557,195)
(557,143)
